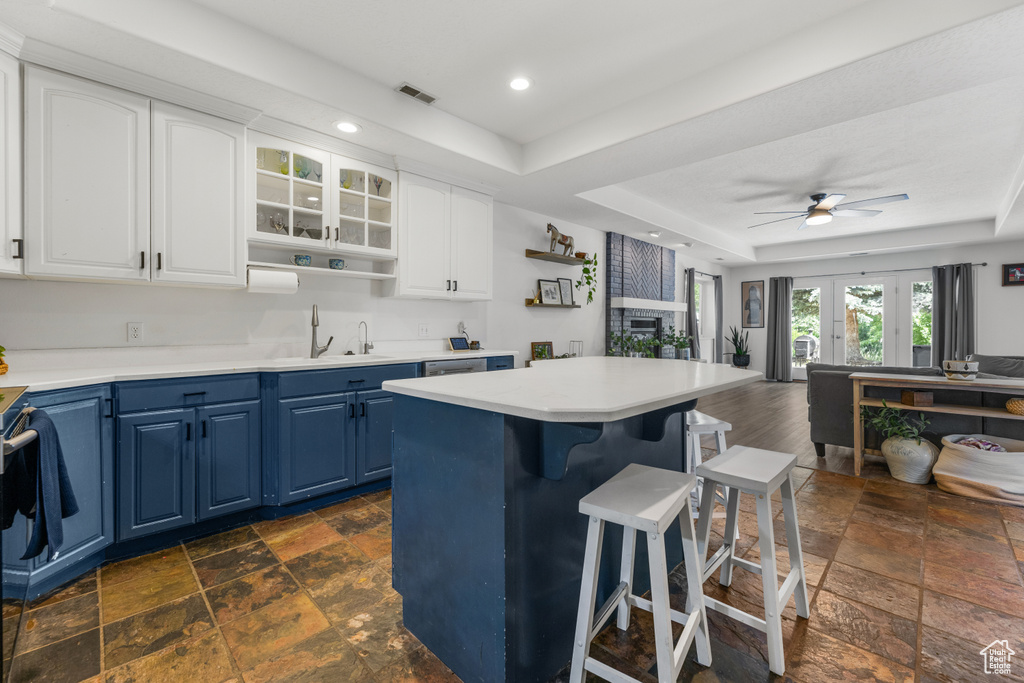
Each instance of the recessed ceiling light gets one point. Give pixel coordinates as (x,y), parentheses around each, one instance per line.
(685,244)
(520,83)
(719,258)
(347,127)
(860,253)
(654,233)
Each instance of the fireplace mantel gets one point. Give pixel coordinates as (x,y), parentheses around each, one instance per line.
(647,304)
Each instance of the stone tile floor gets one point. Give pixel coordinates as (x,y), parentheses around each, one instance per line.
(907,583)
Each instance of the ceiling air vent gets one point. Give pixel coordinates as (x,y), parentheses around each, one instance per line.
(416,93)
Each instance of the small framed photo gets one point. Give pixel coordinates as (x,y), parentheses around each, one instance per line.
(752,300)
(1013,274)
(550,294)
(565,287)
(541,350)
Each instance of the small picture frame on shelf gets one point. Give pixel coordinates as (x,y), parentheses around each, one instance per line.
(1013,274)
(565,289)
(550,294)
(541,350)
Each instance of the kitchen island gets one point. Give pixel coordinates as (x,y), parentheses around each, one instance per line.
(488,472)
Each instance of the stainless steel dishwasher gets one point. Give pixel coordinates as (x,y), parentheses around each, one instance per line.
(458,366)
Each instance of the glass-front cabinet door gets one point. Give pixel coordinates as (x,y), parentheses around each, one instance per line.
(289,197)
(364,206)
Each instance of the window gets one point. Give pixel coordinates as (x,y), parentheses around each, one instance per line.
(921,312)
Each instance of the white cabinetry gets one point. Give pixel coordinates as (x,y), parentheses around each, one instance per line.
(198,198)
(318,201)
(88,207)
(86,178)
(445,241)
(11,247)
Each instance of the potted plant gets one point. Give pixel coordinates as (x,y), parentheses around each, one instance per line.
(3,364)
(635,347)
(741,347)
(681,342)
(588,278)
(910,458)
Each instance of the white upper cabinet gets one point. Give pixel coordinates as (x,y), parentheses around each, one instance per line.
(86,179)
(445,236)
(308,198)
(11,248)
(198,198)
(471,244)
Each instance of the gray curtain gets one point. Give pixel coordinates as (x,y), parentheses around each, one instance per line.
(718,318)
(778,364)
(691,314)
(952,312)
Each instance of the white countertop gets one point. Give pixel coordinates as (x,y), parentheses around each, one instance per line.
(592,389)
(65,378)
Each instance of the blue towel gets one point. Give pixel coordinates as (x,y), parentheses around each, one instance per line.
(45,491)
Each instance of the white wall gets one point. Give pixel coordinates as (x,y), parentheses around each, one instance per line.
(73,315)
(1000,324)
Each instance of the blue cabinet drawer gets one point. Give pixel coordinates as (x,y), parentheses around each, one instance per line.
(313,382)
(500,363)
(192,391)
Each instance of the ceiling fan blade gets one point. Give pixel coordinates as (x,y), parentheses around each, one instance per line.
(803,225)
(850,213)
(760,213)
(778,220)
(830,201)
(871,202)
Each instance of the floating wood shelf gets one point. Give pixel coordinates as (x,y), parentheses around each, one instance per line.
(974,411)
(555,258)
(529,303)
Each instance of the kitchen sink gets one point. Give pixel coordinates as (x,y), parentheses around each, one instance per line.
(332,360)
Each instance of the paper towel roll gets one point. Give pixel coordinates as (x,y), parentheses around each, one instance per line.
(272,281)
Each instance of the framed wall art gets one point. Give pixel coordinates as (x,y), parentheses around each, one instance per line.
(1013,274)
(752,300)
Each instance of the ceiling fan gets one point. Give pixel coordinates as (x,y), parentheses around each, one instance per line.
(827,206)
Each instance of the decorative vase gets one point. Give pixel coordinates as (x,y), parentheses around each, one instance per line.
(909,460)
(683,354)
(741,361)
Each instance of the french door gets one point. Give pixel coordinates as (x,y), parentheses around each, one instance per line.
(864,316)
(811,332)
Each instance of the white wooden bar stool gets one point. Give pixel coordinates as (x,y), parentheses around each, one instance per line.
(758,472)
(698,423)
(649,500)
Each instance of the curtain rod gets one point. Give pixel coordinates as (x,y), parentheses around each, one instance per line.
(701,272)
(872,272)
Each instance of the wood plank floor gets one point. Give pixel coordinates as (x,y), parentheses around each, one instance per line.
(773,416)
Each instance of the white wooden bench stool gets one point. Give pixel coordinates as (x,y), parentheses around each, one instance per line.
(698,423)
(758,472)
(649,500)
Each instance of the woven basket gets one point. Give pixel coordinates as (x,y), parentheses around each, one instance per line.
(1015,406)
(4,367)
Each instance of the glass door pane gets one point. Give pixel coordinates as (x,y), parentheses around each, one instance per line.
(921,323)
(865,322)
(805,333)
(289,194)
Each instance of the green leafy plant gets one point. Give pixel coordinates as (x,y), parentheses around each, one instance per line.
(894,423)
(676,339)
(2,351)
(542,353)
(588,278)
(740,342)
(624,345)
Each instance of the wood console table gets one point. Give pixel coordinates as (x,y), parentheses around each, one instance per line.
(867,379)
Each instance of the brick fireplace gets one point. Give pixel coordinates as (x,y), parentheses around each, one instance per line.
(641,270)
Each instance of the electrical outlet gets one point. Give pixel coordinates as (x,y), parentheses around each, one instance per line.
(424,330)
(135,333)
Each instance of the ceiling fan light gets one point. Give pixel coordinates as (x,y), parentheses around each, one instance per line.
(818,217)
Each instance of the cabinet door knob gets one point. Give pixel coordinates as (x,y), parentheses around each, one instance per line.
(142,259)
(337,234)
(456,285)
(159,260)
(20,243)
(351,409)
(362,409)
(204,429)
(188,431)
(449,285)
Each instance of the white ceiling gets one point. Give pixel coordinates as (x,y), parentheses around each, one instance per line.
(685,117)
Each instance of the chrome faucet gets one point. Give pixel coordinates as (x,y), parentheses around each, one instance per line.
(367,345)
(317,351)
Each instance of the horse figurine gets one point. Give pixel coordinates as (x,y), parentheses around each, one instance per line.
(558,238)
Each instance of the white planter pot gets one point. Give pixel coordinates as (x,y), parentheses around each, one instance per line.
(910,461)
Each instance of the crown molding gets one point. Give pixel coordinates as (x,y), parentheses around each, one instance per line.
(328,143)
(53,57)
(419,168)
(11,41)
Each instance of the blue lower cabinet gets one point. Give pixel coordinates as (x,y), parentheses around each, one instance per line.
(229,458)
(156,472)
(84,423)
(500,363)
(316,445)
(376,435)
